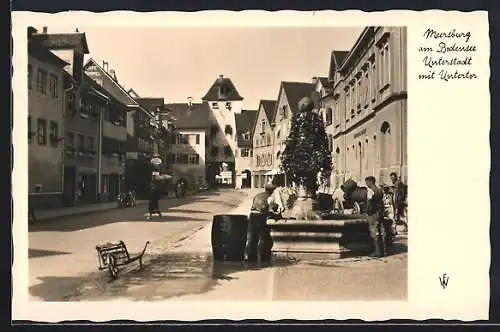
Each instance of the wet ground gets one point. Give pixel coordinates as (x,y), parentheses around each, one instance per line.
(62,252)
(194,276)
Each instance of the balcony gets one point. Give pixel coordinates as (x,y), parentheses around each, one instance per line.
(113,131)
(80,158)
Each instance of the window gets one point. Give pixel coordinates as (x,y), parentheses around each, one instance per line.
(197,139)
(374,78)
(182,139)
(366,88)
(70,140)
(181,158)
(42,81)
(348,104)
(81,142)
(53,86)
(330,143)
(53,133)
(245,152)
(283,112)
(30,76)
(228,130)
(385,64)
(268,139)
(359,94)
(329,116)
(246,136)
(215,106)
(262,126)
(193,159)
(42,131)
(30,132)
(228,105)
(90,143)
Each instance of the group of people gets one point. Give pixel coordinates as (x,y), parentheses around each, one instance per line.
(385,202)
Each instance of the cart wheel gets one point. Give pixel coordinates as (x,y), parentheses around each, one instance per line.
(112,268)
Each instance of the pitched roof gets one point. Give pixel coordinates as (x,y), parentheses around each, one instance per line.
(245,123)
(196,117)
(336,60)
(62,40)
(222,90)
(269,106)
(294,92)
(113,87)
(44,54)
(151,104)
(327,84)
(245,120)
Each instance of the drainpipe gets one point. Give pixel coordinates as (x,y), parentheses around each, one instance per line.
(64,133)
(99,154)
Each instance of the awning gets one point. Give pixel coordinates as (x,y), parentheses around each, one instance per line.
(162,177)
(274,172)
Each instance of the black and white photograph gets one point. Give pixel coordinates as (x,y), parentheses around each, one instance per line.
(228,163)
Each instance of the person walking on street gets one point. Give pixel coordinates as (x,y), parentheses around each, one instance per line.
(389,207)
(259,242)
(154,201)
(375,217)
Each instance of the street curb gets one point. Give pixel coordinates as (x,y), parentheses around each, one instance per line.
(80,213)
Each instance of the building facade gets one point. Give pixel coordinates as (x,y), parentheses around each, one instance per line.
(114,116)
(45,125)
(290,93)
(263,143)
(224,102)
(369,105)
(244,148)
(190,145)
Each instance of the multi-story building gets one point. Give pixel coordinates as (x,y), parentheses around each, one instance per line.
(81,120)
(244,148)
(290,93)
(113,140)
(370,106)
(190,146)
(45,124)
(224,102)
(81,160)
(263,143)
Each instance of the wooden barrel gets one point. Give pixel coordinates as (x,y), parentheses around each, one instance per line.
(229,235)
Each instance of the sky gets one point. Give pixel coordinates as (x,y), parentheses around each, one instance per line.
(177,63)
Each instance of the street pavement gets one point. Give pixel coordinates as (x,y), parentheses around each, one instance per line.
(62,250)
(179,265)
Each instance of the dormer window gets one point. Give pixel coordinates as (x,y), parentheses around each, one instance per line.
(246,136)
(228,105)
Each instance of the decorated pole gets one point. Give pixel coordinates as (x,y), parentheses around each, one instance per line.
(305,154)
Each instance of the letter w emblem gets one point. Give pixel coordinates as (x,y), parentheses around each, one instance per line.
(444,280)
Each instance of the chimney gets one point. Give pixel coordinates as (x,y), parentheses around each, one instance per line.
(105,65)
(221,77)
(190,102)
(113,74)
(76,30)
(45,29)
(314,80)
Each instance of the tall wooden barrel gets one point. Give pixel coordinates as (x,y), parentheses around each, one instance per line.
(229,235)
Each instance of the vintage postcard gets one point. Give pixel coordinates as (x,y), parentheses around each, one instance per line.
(251,165)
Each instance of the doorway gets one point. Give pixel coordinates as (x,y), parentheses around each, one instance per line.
(246,181)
